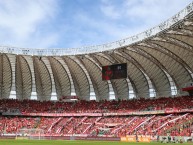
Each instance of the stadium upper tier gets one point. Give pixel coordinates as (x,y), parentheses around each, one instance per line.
(159,63)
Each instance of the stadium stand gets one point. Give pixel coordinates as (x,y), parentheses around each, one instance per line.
(176,118)
(60,92)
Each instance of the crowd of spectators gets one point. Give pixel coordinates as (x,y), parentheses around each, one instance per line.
(82,106)
(177,124)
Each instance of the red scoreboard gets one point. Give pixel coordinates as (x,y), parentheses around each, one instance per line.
(116,71)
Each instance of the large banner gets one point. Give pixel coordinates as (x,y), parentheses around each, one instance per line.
(62,114)
(134,138)
(135,113)
(144,139)
(131,138)
(166,111)
(176,110)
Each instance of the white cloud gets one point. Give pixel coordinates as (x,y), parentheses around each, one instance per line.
(151,12)
(135,16)
(21,19)
(65,23)
(109,10)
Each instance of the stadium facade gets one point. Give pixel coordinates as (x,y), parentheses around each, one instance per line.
(159,63)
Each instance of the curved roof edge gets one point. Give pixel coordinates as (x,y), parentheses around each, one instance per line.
(164,26)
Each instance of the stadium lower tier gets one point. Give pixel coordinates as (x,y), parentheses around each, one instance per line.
(111,126)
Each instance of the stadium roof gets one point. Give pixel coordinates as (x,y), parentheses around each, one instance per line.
(159,63)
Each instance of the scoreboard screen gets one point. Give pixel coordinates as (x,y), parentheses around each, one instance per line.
(117,71)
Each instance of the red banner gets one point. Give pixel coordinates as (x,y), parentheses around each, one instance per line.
(167,110)
(62,114)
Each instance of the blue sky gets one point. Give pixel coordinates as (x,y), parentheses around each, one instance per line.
(76,23)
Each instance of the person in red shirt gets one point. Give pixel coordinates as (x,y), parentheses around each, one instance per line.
(108,73)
